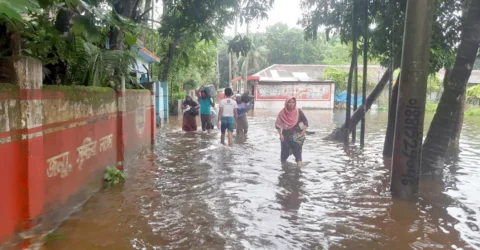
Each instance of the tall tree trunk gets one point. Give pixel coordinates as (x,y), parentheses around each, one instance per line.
(63,24)
(168,61)
(339,133)
(148,7)
(126,9)
(454,145)
(392,115)
(449,107)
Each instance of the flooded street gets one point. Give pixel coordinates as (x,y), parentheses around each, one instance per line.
(191,192)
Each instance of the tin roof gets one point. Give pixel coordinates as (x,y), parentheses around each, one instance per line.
(146,54)
(312,72)
(309,72)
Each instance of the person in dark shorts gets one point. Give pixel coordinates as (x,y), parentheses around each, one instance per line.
(205,112)
(227,115)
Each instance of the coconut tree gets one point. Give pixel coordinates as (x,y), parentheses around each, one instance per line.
(257,59)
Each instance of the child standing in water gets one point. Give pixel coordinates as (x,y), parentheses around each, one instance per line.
(227,115)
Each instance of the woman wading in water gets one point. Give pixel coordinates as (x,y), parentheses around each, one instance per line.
(291,125)
(189,116)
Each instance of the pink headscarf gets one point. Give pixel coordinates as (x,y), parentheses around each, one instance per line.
(287,119)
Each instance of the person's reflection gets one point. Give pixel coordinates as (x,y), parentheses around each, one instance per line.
(290,185)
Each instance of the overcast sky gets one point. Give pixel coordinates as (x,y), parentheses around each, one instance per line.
(284,11)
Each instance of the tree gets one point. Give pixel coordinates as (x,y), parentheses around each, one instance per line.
(188,22)
(434,84)
(71,44)
(339,133)
(257,59)
(287,46)
(223,61)
(450,106)
(339,76)
(386,36)
(199,67)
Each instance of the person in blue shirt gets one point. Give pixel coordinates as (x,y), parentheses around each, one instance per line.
(205,112)
(242,122)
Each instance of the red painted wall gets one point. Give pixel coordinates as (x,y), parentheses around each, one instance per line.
(67,153)
(10,194)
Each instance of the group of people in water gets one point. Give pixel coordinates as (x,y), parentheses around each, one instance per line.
(291,122)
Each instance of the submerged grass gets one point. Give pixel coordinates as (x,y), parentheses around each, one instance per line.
(53,236)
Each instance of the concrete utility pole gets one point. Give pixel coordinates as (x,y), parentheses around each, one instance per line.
(365,71)
(234,57)
(217,75)
(353,64)
(245,87)
(229,69)
(407,149)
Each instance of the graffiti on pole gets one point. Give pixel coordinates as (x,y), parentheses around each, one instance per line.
(412,141)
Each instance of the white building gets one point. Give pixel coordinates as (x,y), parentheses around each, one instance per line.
(272,85)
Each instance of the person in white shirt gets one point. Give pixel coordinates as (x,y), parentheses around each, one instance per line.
(227,115)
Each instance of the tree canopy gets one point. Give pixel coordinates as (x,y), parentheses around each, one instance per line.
(280,44)
(387,26)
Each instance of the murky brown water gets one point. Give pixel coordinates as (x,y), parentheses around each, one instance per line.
(193,193)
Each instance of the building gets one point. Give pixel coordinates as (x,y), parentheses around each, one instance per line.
(144,59)
(271,85)
(473,80)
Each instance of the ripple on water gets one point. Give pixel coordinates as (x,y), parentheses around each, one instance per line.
(193,193)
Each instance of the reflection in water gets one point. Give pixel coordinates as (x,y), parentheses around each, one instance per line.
(193,193)
(289,181)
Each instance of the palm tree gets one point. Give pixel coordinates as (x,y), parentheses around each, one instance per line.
(93,66)
(257,59)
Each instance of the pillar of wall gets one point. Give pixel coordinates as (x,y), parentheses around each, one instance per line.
(121,112)
(26,73)
(165,99)
(158,110)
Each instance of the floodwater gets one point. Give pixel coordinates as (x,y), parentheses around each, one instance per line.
(191,192)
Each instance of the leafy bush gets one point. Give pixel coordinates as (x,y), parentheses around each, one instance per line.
(434,84)
(113,176)
(473,112)
(473,92)
(178,96)
(340,77)
(431,107)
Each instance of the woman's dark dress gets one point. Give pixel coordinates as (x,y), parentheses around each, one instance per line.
(189,120)
(290,144)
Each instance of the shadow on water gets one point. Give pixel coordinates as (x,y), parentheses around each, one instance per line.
(191,192)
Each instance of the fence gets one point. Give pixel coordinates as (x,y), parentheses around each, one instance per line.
(56,142)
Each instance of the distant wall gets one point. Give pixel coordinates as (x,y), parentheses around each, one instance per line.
(56,142)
